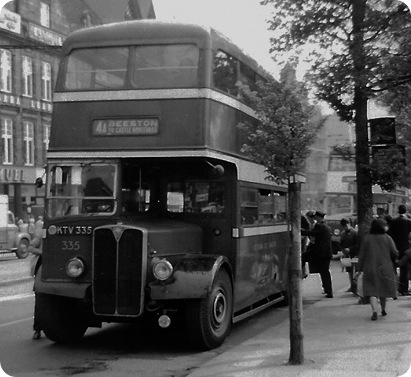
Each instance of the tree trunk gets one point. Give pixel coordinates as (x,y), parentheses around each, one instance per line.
(294,278)
(364,184)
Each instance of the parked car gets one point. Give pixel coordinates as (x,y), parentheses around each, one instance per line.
(12,240)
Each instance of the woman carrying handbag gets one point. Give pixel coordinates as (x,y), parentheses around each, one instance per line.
(377,254)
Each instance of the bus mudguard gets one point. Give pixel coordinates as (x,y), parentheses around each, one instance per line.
(192,278)
(67,289)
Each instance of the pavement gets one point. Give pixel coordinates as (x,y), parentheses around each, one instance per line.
(339,340)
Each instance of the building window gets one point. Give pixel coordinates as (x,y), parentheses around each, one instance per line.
(46,136)
(44,14)
(27,76)
(46,81)
(5,71)
(7,141)
(28,139)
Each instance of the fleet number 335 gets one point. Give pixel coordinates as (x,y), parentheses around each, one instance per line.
(70,245)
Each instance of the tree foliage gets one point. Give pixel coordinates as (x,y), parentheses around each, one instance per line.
(352,43)
(281,138)
(327,26)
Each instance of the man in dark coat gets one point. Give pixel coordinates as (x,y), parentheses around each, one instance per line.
(399,230)
(320,252)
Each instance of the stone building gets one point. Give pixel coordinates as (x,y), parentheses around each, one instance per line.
(31,35)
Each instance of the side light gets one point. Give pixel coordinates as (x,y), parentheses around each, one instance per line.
(162,269)
(75,267)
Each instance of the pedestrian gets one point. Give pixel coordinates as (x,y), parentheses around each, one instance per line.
(319,252)
(399,230)
(350,248)
(377,253)
(36,249)
(307,223)
(405,261)
(38,227)
(31,227)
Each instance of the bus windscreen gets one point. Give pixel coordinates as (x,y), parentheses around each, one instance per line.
(81,189)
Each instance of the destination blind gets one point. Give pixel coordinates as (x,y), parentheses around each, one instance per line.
(125,127)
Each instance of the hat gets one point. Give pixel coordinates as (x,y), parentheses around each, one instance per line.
(310,213)
(319,213)
(345,221)
(402,209)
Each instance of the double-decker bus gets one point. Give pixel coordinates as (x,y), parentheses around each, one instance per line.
(340,198)
(151,210)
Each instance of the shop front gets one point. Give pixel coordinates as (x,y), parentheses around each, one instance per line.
(25,199)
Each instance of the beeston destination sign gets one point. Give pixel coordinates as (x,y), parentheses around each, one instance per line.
(125,127)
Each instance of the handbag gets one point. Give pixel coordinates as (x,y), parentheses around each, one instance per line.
(346,262)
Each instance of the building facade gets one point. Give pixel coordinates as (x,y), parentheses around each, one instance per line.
(31,34)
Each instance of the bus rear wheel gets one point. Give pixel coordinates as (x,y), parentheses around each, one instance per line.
(208,320)
(60,318)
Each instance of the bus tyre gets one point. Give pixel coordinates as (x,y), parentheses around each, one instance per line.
(208,320)
(60,318)
(22,250)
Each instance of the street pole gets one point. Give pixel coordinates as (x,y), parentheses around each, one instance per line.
(294,277)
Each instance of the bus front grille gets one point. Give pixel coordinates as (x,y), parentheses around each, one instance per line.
(118,276)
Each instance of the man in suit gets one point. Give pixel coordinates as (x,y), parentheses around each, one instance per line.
(399,230)
(320,252)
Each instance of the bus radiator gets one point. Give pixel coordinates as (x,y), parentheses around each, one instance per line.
(117,271)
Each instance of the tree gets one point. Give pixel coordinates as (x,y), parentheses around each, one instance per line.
(280,141)
(397,95)
(350,40)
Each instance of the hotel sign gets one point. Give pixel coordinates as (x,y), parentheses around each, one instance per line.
(125,127)
(10,21)
(44,35)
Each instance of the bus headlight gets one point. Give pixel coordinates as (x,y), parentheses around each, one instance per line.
(75,267)
(162,269)
(336,232)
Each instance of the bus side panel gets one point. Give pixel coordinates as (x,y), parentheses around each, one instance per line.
(261,268)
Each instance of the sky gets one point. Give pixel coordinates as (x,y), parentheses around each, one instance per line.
(243,21)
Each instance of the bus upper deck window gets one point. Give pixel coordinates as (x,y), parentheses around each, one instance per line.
(225,72)
(166,66)
(97,69)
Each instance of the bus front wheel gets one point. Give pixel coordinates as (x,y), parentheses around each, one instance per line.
(60,318)
(208,320)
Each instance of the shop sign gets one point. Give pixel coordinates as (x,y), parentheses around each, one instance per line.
(44,35)
(10,21)
(17,175)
